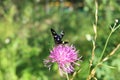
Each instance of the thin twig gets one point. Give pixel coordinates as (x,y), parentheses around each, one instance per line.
(111,53)
(95,31)
(94,40)
(100,59)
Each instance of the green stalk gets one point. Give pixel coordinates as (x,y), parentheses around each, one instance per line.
(105,46)
(113,29)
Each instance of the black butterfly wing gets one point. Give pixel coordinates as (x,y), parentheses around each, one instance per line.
(61,34)
(57,38)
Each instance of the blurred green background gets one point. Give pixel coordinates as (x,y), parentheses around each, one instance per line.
(25,37)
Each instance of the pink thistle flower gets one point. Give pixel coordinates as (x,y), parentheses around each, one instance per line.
(65,56)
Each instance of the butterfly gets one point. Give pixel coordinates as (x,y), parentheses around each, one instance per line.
(58,37)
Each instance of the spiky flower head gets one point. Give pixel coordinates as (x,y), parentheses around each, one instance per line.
(65,56)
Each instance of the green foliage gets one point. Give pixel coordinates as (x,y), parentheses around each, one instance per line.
(25,38)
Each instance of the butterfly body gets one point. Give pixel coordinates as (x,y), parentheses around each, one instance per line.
(58,37)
